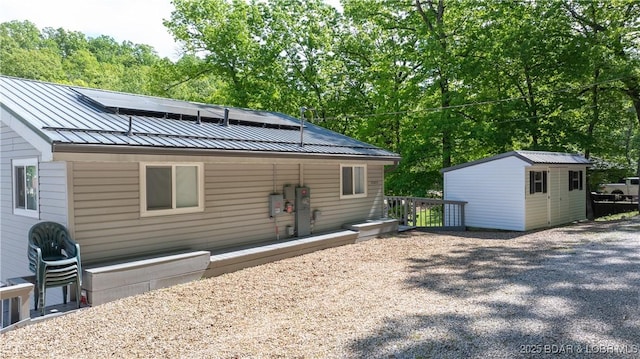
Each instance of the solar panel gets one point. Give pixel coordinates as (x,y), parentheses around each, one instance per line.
(122,102)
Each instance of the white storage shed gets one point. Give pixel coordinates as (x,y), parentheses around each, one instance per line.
(520,190)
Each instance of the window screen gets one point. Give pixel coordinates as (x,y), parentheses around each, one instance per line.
(159,188)
(186,186)
(358,180)
(20,187)
(347,181)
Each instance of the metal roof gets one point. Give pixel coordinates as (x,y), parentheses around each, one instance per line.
(531,157)
(542,157)
(74,118)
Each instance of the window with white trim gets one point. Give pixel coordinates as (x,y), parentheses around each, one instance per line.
(25,187)
(353,181)
(172,188)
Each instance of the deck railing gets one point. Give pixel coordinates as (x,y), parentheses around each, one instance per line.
(425,212)
(17,297)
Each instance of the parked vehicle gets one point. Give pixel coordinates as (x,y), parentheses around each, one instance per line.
(627,188)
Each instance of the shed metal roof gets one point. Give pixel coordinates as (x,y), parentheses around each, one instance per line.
(531,157)
(79,119)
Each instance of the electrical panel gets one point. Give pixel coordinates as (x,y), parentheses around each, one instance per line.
(303,211)
(276,205)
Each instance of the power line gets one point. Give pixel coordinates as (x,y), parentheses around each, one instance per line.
(472,104)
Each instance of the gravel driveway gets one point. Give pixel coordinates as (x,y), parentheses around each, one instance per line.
(565,292)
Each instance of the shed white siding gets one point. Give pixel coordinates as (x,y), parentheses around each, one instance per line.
(494,192)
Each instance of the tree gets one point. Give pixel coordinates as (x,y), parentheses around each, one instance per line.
(272,55)
(439,81)
(612,28)
(63,56)
(25,53)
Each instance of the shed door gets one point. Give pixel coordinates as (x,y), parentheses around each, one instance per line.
(559,204)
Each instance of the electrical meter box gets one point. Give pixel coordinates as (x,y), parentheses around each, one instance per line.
(276,205)
(289,193)
(303,211)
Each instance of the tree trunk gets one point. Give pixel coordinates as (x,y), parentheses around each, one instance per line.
(587,151)
(633,91)
(638,174)
(447,141)
(590,213)
(433,18)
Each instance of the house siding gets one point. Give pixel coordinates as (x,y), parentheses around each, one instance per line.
(52,205)
(14,228)
(108,225)
(53,192)
(494,191)
(324,181)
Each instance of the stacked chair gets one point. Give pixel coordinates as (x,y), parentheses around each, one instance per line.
(54,258)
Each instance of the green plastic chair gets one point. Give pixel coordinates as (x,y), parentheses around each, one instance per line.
(54,258)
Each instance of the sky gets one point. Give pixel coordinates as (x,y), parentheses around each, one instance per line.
(138,21)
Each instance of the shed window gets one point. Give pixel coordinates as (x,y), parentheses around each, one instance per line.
(575,180)
(353,181)
(537,182)
(25,187)
(172,188)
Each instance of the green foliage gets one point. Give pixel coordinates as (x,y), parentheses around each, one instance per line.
(63,56)
(617,217)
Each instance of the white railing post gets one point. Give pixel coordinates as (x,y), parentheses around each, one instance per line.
(451,213)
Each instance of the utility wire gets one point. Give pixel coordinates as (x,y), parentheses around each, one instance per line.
(472,104)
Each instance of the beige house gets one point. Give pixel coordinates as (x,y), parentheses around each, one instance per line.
(520,190)
(133,175)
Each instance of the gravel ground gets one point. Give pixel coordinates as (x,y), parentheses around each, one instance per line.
(566,292)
